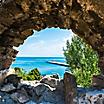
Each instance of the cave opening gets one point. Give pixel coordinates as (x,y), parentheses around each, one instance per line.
(19,17)
(40,48)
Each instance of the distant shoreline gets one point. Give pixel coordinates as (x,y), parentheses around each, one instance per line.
(29,63)
(58,63)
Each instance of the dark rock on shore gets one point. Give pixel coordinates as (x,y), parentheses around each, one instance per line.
(12,79)
(98,81)
(50,81)
(33,92)
(70,87)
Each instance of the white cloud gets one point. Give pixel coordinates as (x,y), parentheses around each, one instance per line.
(43,48)
(30,49)
(53,47)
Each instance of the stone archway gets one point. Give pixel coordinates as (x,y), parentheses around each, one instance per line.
(19,17)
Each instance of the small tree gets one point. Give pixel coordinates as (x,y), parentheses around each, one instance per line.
(82,61)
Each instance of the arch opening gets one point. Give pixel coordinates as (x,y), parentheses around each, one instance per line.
(18,21)
(40,48)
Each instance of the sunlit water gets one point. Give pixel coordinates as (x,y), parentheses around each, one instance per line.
(29,63)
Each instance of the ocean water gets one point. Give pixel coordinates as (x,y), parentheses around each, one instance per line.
(29,63)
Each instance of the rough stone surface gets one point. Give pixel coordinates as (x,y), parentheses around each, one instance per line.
(60,86)
(46,103)
(54,97)
(98,81)
(8,88)
(18,19)
(70,87)
(55,76)
(5,98)
(19,97)
(12,79)
(42,93)
(90,96)
(41,88)
(30,102)
(50,81)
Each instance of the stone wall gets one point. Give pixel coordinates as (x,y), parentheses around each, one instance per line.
(19,17)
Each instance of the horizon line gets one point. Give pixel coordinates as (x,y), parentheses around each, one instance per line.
(39,56)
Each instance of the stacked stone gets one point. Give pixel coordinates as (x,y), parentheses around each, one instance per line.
(19,17)
(47,91)
(7,56)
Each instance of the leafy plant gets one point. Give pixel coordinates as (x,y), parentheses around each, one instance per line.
(82,60)
(32,75)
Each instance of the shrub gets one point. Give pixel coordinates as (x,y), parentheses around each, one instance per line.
(32,75)
(82,61)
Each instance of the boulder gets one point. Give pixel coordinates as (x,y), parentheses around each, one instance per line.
(52,82)
(28,89)
(95,97)
(53,97)
(98,81)
(20,97)
(8,88)
(44,94)
(36,91)
(70,87)
(31,102)
(13,79)
(5,98)
(55,76)
(46,103)
(60,86)
(40,88)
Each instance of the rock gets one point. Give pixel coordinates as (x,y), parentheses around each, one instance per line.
(5,98)
(40,88)
(36,91)
(13,79)
(55,76)
(52,82)
(95,97)
(44,94)
(70,87)
(98,81)
(46,103)
(60,86)
(83,17)
(20,97)
(53,97)
(8,88)
(7,63)
(30,91)
(31,102)
(26,82)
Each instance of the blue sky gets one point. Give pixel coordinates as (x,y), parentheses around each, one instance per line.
(45,43)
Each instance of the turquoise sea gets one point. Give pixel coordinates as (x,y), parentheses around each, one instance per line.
(29,63)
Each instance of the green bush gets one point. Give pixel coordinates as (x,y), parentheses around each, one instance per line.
(82,61)
(32,75)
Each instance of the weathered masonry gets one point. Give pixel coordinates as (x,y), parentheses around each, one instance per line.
(18,18)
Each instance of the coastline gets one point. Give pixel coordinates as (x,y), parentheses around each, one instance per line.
(29,63)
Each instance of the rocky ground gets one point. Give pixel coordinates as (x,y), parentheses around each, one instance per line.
(50,90)
(90,96)
(47,91)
